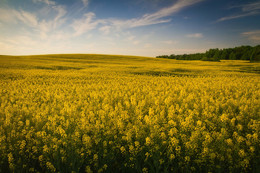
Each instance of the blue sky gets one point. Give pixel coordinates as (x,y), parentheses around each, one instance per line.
(126,27)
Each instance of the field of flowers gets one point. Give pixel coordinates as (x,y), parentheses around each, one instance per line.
(97,113)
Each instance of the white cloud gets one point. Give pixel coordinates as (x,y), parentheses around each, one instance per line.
(43,28)
(28,18)
(251,7)
(48,2)
(105,29)
(45,34)
(85,24)
(246,10)
(8,15)
(157,17)
(88,21)
(57,19)
(35,29)
(131,38)
(195,35)
(179,5)
(136,22)
(13,16)
(85,2)
(61,11)
(252,35)
(238,16)
(59,35)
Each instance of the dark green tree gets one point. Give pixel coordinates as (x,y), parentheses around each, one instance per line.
(255,55)
(232,56)
(224,54)
(237,53)
(216,56)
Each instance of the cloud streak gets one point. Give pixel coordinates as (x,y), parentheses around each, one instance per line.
(88,21)
(157,17)
(238,16)
(246,10)
(48,2)
(105,29)
(85,24)
(85,2)
(14,16)
(251,7)
(36,26)
(252,35)
(195,35)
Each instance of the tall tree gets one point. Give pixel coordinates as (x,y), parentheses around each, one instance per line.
(255,55)
(232,56)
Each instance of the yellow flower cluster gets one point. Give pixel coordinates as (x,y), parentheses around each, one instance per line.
(100,120)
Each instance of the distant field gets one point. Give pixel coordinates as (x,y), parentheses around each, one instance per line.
(107,113)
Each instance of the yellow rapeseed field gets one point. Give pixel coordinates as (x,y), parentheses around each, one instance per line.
(104,113)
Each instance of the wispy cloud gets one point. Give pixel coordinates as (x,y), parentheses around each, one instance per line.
(252,35)
(88,21)
(179,5)
(246,10)
(251,7)
(238,16)
(43,28)
(85,24)
(7,15)
(49,25)
(48,2)
(28,18)
(195,35)
(132,39)
(85,2)
(14,16)
(157,17)
(52,6)
(105,29)
(61,12)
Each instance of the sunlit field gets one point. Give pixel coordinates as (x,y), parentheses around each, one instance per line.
(104,113)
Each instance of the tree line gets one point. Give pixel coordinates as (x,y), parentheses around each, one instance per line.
(237,53)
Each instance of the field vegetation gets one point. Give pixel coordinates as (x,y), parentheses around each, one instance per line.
(108,113)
